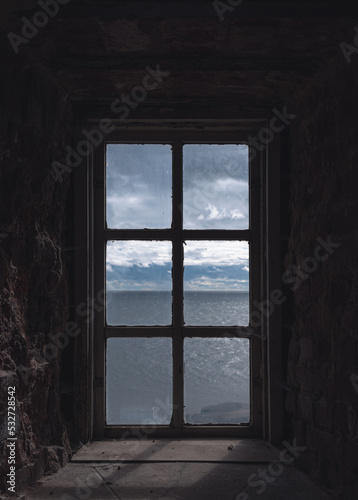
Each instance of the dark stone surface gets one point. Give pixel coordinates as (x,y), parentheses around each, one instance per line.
(323,348)
(33,292)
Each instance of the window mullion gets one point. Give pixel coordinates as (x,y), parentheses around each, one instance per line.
(178,378)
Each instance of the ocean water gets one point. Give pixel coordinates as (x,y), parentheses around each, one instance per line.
(139,370)
(148,308)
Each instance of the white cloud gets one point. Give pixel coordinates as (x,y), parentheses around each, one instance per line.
(205,282)
(139,253)
(139,208)
(138,186)
(230,185)
(214,213)
(208,253)
(216,253)
(219,204)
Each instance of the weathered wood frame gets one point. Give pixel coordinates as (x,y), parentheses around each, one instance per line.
(264,407)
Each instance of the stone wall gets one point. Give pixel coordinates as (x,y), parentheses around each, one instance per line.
(322,354)
(34,118)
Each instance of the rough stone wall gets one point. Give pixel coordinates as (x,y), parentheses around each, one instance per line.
(34,119)
(323,354)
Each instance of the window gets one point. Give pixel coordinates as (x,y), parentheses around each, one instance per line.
(177,235)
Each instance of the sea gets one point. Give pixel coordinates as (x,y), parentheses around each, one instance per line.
(139,370)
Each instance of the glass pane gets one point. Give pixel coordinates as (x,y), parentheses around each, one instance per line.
(216,381)
(139,381)
(139,186)
(139,283)
(216,283)
(216,186)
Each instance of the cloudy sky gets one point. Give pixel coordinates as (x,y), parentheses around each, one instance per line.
(139,183)
(215,196)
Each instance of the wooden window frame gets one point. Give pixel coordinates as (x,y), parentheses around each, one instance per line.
(265,407)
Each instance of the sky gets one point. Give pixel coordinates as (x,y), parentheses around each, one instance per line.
(215,196)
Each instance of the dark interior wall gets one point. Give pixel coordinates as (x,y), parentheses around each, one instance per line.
(34,124)
(322,359)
